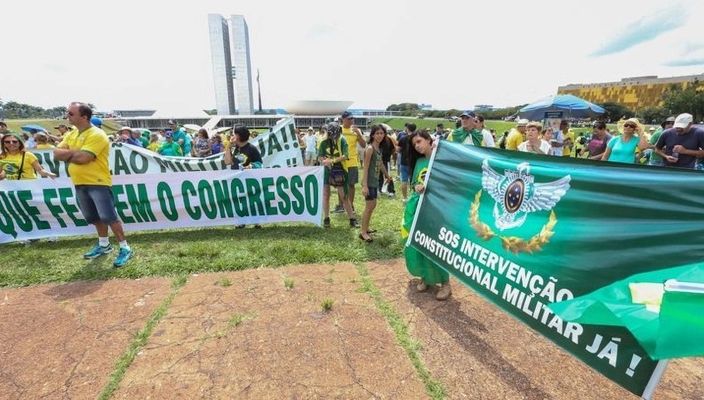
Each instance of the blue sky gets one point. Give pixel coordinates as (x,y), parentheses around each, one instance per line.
(136,54)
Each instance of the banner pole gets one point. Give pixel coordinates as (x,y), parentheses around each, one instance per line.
(654,380)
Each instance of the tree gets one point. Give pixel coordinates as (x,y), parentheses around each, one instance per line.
(690,100)
(652,115)
(616,111)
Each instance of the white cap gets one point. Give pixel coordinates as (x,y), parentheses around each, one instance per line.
(522,122)
(683,120)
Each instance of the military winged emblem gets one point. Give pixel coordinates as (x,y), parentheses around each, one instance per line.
(516,194)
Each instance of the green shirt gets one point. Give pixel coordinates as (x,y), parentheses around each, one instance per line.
(654,156)
(327,149)
(461,135)
(374,167)
(170,149)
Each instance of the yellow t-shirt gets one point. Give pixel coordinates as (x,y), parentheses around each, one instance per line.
(11,164)
(93,140)
(154,146)
(44,146)
(514,139)
(351,139)
(567,152)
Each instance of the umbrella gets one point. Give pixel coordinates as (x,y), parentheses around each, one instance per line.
(192,127)
(662,309)
(561,105)
(32,128)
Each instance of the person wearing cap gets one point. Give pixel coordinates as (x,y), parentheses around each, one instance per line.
(97,122)
(62,128)
(86,150)
(623,148)
(655,158)
(16,163)
(517,135)
(467,133)
(169,147)
(332,154)
(354,137)
(311,146)
(681,145)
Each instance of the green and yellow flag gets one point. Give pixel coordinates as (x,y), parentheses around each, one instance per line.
(556,242)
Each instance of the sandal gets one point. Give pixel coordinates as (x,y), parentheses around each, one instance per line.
(368,240)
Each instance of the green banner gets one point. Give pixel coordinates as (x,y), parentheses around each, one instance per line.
(526,231)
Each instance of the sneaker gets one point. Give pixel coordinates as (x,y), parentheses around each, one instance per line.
(444,292)
(339,209)
(326,223)
(122,257)
(240,226)
(354,223)
(97,251)
(421,287)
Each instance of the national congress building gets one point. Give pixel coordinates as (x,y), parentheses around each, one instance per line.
(635,93)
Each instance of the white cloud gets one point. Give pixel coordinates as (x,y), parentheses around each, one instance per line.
(139,54)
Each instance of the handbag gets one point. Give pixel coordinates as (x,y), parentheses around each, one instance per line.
(337,173)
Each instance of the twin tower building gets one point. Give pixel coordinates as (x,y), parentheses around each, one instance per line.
(232,68)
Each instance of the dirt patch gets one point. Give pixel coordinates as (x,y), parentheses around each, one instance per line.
(62,341)
(246,335)
(479,352)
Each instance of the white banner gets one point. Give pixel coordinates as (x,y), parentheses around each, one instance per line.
(279,148)
(41,208)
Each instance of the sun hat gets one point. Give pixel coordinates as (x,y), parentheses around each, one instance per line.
(639,127)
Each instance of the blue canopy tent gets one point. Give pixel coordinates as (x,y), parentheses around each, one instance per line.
(32,128)
(560,106)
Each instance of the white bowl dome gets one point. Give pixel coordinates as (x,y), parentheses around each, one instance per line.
(317,107)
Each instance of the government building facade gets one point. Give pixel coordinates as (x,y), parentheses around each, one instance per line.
(635,93)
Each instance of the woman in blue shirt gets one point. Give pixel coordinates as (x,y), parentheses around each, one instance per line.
(623,148)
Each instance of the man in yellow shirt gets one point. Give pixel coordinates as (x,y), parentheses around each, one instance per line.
(86,149)
(354,137)
(517,135)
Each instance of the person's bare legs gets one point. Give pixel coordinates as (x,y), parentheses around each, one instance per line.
(369,207)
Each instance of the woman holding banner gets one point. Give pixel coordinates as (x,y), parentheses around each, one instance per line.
(16,163)
(417,264)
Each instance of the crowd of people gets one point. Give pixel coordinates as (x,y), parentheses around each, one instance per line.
(350,158)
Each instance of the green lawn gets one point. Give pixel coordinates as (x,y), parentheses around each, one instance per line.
(174,252)
(15,125)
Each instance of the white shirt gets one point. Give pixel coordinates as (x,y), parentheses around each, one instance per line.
(311,143)
(559,138)
(544,147)
(488,138)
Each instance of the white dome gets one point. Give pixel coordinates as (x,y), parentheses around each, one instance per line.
(317,107)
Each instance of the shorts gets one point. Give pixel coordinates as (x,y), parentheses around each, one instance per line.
(310,156)
(96,203)
(352,176)
(405,176)
(373,194)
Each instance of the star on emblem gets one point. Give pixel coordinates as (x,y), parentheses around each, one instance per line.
(516,194)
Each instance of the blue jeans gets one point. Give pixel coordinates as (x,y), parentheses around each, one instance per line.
(96,203)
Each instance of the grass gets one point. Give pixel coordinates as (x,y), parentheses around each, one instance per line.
(15,125)
(223,282)
(326,304)
(433,387)
(288,283)
(186,251)
(140,339)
